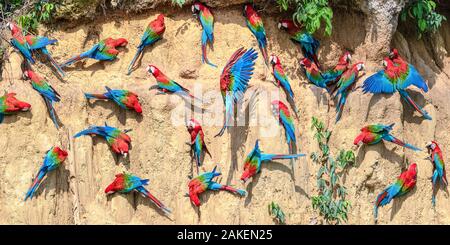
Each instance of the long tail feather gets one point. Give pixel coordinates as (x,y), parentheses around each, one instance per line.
(95,96)
(270,157)
(204,44)
(160,205)
(340,106)
(131,66)
(229,110)
(51,111)
(35,184)
(53,62)
(408,99)
(72,60)
(400,143)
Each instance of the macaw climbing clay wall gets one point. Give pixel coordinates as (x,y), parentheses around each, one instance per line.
(74,194)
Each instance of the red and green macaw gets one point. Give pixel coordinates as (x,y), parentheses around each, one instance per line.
(281,78)
(53,159)
(124,98)
(206,19)
(152,34)
(197,140)
(105,50)
(345,85)
(126,183)
(31,43)
(252,165)
(47,92)
(439,167)
(396,76)
(256,26)
(118,140)
(314,74)
(404,184)
(166,85)
(19,42)
(335,73)
(282,114)
(205,182)
(373,134)
(9,105)
(307,42)
(234,81)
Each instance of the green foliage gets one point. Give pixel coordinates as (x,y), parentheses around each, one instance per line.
(38,12)
(180,3)
(310,13)
(276,212)
(330,201)
(423,12)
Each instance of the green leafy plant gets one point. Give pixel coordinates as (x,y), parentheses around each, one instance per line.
(310,13)
(423,12)
(180,3)
(276,212)
(31,13)
(330,200)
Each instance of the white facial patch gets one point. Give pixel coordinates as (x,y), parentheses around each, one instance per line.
(279,25)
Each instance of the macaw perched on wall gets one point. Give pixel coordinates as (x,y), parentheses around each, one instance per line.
(9,105)
(40,43)
(152,34)
(118,140)
(53,159)
(47,92)
(125,183)
(166,85)
(197,140)
(373,134)
(438,167)
(404,184)
(19,42)
(345,85)
(205,182)
(206,19)
(124,98)
(234,81)
(314,74)
(307,42)
(281,79)
(335,73)
(105,50)
(252,165)
(396,76)
(282,114)
(256,26)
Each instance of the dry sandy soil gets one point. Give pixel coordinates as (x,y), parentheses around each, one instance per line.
(74,194)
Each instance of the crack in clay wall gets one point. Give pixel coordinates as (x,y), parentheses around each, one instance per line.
(74,193)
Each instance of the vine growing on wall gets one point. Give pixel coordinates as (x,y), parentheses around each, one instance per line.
(180,3)
(423,12)
(311,14)
(331,199)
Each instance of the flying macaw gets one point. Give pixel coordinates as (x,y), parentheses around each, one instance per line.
(234,81)
(166,85)
(345,85)
(47,92)
(206,19)
(439,167)
(124,98)
(152,34)
(252,164)
(19,42)
(125,183)
(104,50)
(256,26)
(314,74)
(118,140)
(335,73)
(53,159)
(373,134)
(396,76)
(9,104)
(307,42)
(404,183)
(205,182)
(282,114)
(282,79)
(197,140)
